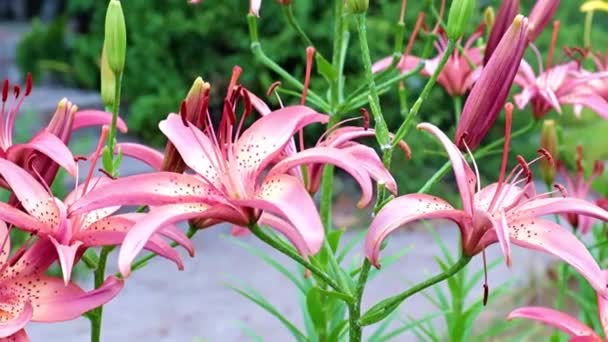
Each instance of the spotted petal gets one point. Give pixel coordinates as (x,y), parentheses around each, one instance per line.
(401,211)
(558,205)
(549,237)
(14,324)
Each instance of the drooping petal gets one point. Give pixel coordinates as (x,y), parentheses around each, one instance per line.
(161,216)
(196,149)
(49,145)
(267,137)
(465,178)
(32,196)
(14,324)
(285,196)
(141,152)
(92,117)
(22,220)
(287,230)
(5,242)
(369,160)
(401,211)
(57,302)
(560,320)
(150,189)
(329,155)
(19,336)
(67,254)
(549,237)
(558,205)
(590,100)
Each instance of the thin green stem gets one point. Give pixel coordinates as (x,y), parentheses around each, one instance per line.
(407,123)
(292,254)
(355,327)
(336,85)
(293,23)
(383,308)
(457,108)
(588,28)
(99,274)
(482,152)
(379,124)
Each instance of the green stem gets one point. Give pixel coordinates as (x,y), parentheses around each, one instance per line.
(406,125)
(293,23)
(588,28)
(379,124)
(292,254)
(457,108)
(260,55)
(355,326)
(383,308)
(336,86)
(99,274)
(482,152)
(111,140)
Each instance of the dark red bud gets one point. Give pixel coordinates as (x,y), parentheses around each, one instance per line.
(28,84)
(5,86)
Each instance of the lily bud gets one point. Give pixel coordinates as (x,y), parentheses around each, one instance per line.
(108,80)
(540,16)
(460,14)
(115,37)
(195,108)
(357,6)
(549,142)
(506,13)
(489,17)
(491,90)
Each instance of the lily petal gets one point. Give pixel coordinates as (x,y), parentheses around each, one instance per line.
(267,137)
(288,230)
(92,117)
(141,152)
(151,189)
(465,178)
(560,320)
(49,145)
(369,160)
(401,211)
(67,254)
(14,325)
(552,238)
(57,302)
(329,155)
(22,220)
(557,205)
(19,336)
(285,196)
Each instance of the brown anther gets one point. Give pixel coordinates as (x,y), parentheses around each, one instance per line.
(543,152)
(5,86)
(579,158)
(28,84)
(561,189)
(525,167)
(78,158)
(183,112)
(486,294)
(272,87)
(598,167)
(365,115)
(109,175)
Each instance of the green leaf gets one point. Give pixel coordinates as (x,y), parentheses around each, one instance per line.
(333,238)
(338,331)
(407,327)
(250,332)
(314,304)
(255,297)
(293,277)
(382,327)
(349,246)
(325,68)
(336,295)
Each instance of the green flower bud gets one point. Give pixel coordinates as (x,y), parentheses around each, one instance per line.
(460,14)
(357,6)
(108,80)
(549,142)
(115,37)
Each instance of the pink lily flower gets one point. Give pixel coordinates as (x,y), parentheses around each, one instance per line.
(239,175)
(50,142)
(558,85)
(578,331)
(460,72)
(579,187)
(505,212)
(30,295)
(600,85)
(72,233)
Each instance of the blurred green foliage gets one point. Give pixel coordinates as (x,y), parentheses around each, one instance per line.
(171,42)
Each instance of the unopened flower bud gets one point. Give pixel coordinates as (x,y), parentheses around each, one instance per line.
(108,80)
(115,37)
(540,16)
(357,6)
(458,18)
(491,90)
(549,142)
(489,16)
(506,13)
(193,111)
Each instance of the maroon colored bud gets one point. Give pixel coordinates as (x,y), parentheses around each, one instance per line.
(489,94)
(540,16)
(506,13)
(28,84)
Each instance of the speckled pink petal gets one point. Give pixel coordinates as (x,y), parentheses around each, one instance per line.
(49,145)
(16,323)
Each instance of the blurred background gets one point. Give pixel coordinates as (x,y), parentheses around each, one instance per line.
(170,43)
